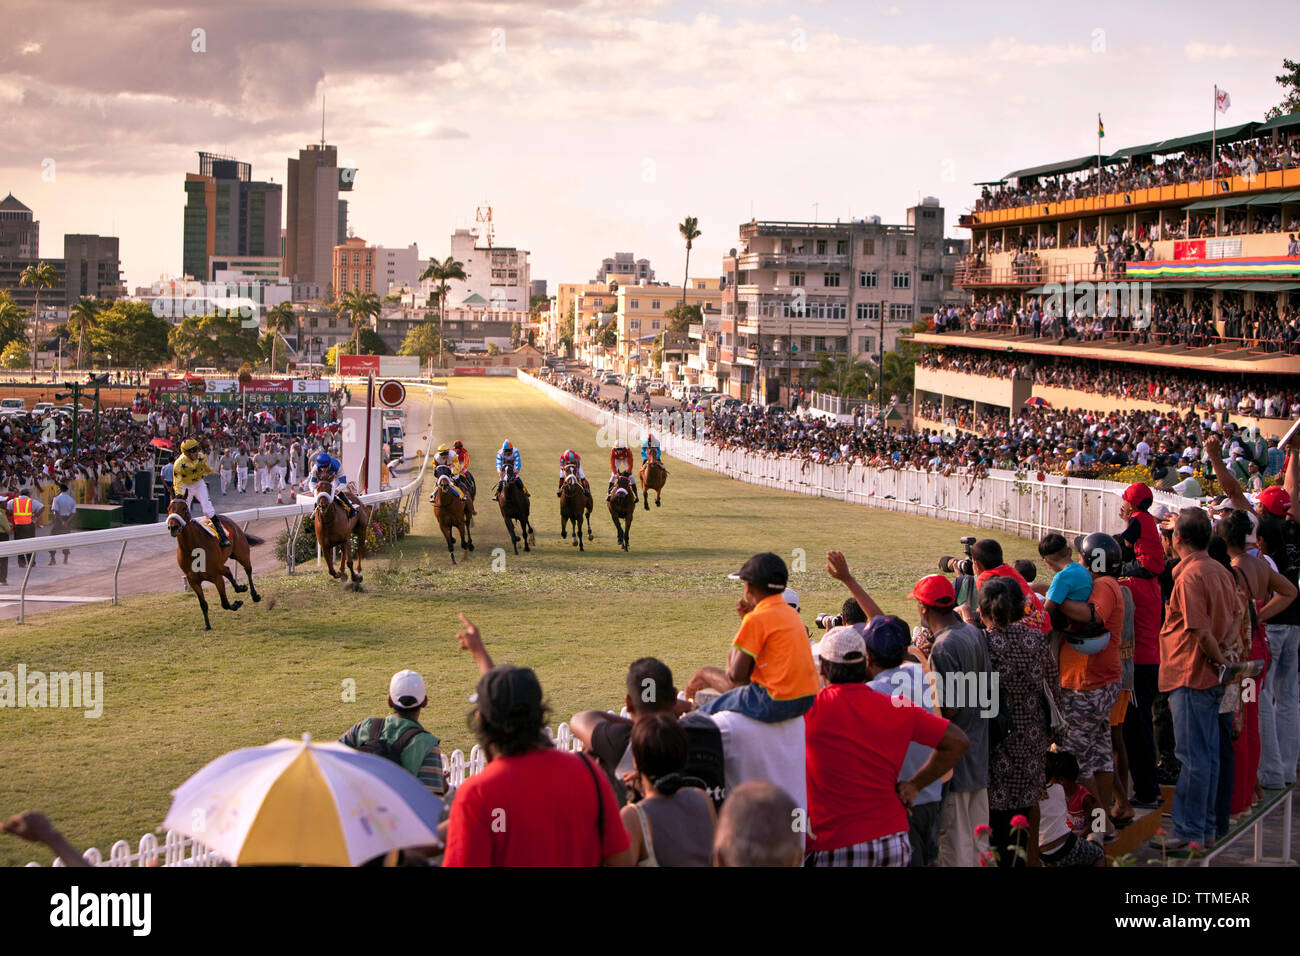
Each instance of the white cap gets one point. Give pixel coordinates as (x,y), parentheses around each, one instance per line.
(791,597)
(1185,470)
(407,686)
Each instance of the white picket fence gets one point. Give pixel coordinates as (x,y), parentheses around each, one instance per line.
(177,849)
(1005,500)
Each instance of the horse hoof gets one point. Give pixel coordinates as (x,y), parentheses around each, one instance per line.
(256,598)
(236,605)
(658,502)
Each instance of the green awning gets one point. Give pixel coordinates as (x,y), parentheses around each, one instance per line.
(1252,286)
(1270,199)
(1217,203)
(1066,166)
(1285,121)
(1128,151)
(1180,143)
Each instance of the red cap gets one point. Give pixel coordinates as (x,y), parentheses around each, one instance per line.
(935,590)
(1275,501)
(1138,494)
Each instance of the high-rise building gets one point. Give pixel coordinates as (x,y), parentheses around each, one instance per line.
(496,277)
(91,267)
(20,233)
(315,216)
(353,267)
(227,214)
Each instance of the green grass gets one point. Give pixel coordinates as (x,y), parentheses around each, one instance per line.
(176,697)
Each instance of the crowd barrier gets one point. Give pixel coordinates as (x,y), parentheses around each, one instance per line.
(1019,502)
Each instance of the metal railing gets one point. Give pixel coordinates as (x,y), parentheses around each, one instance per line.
(407,498)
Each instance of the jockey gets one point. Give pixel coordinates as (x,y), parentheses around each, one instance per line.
(571,457)
(459,450)
(509,455)
(327,475)
(446,463)
(187,481)
(620,463)
(650,447)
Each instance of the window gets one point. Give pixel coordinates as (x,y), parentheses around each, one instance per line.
(841,344)
(900,313)
(805,343)
(927,247)
(900,247)
(654,324)
(700,284)
(867,280)
(635,323)
(902,280)
(841,247)
(821,247)
(831,279)
(636,304)
(654,304)
(868,247)
(927,214)
(869,310)
(796,278)
(927,276)
(867,344)
(819,343)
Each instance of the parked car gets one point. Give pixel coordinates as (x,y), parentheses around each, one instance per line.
(42,408)
(610,378)
(12,406)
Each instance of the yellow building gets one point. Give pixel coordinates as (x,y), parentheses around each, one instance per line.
(641,319)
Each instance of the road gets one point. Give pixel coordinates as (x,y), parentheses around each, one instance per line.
(150,565)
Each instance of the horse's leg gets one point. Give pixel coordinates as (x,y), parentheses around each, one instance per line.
(196,583)
(329,558)
(510,530)
(220,581)
(246,559)
(451,540)
(617,527)
(230,576)
(362,527)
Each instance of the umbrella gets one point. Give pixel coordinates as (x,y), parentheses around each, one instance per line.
(160,443)
(298,803)
(1035,400)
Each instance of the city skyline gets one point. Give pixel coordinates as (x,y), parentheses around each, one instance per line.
(592,126)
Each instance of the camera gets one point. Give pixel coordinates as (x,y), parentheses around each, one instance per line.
(827,621)
(950,565)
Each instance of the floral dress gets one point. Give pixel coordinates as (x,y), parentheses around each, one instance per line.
(1021,657)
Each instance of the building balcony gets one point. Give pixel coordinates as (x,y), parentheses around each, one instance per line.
(786,260)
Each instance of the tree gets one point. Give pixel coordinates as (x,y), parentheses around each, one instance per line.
(332,356)
(81,319)
(516,335)
(689,228)
(361,307)
(442,273)
(1290,82)
(843,376)
(13,321)
(279,320)
(537,303)
(41,275)
(15,355)
(132,333)
(566,330)
(494,349)
(421,340)
(682,316)
(369,342)
(215,339)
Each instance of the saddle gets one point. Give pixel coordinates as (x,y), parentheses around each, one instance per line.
(205,523)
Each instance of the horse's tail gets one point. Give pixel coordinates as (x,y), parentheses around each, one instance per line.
(253,540)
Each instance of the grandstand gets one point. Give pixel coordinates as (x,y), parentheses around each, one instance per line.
(1177,257)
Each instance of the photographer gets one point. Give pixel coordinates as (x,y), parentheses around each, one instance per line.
(988,562)
(850,613)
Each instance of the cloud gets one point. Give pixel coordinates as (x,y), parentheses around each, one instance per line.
(1221,51)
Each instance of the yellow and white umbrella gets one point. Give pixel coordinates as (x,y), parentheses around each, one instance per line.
(298,803)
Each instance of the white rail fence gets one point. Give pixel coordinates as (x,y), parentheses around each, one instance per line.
(1003,500)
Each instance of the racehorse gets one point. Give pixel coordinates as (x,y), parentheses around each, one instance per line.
(202,558)
(453,513)
(514,507)
(622,506)
(653,478)
(575,500)
(334,529)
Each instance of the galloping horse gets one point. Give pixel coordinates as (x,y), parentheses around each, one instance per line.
(334,529)
(575,500)
(202,558)
(653,478)
(622,506)
(453,514)
(514,507)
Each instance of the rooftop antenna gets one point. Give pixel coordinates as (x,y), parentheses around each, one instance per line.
(322,119)
(483,214)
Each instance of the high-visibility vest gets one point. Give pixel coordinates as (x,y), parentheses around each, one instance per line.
(22,510)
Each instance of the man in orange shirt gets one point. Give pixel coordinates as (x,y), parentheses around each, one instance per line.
(770,674)
(1201,615)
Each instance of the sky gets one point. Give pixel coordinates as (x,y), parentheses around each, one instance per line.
(596,126)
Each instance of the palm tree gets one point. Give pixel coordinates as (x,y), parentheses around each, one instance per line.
(42,275)
(844,376)
(11,319)
(279,319)
(81,319)
(442,273)
(361,306)
(690,230)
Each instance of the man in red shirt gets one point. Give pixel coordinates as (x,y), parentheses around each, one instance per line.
(532,805)
(856,739)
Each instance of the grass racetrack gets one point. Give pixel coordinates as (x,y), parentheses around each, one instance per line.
(175,697)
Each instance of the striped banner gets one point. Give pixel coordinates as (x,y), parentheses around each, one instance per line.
(1279,267)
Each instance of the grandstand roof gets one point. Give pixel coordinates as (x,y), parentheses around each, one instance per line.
(1068,166)
(1179,143)
(1281,122)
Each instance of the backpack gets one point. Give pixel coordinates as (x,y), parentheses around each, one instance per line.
(375,743)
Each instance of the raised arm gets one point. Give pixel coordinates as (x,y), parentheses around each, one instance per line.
(838,568)
(470,640)
(1227,480)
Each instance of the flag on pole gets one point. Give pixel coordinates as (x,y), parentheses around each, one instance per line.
(1221,100)
(1101,130)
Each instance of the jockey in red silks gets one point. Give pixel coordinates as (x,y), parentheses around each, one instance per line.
(620,463)
(571,457)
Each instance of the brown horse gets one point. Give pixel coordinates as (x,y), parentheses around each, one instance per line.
(653,478)
(622,508)
(453,514)
(334,529)
(514,505)
(202,558)
(575,501)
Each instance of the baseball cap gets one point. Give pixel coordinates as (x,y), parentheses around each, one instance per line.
(1138,493)
(765,570)
(1161,511)
(841,644)
(507,691)
(1185,470)
(887,637)
(791,597)
(406,690)
(935,590)
(1275,501)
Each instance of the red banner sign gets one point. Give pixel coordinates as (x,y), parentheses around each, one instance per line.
(1189,249)
(273,385)
(470,371)
(358,364)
